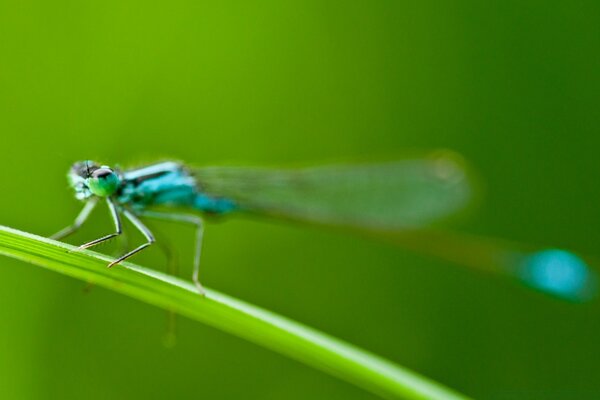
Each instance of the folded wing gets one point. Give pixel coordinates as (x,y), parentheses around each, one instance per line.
(384,196)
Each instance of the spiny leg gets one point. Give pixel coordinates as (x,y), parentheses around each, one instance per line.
(189,219)
(79,220)
(114,212)
(143,229)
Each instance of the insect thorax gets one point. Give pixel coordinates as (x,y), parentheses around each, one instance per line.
(167,187)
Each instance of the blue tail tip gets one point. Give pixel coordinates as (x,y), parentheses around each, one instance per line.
(561,273)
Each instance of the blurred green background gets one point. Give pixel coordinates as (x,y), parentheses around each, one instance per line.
(512,86)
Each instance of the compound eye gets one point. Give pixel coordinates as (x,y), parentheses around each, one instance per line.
(103,182)
(102,173)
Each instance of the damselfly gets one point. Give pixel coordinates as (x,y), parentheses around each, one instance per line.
(394,199)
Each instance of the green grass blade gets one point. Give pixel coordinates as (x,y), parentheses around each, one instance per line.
(228,314)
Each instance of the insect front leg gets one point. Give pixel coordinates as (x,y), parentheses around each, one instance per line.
(114,212)
(143,229)
(79,220)
(192,220)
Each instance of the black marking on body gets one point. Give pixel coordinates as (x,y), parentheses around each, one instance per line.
(144,178)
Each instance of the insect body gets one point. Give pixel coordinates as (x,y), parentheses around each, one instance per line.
(386,196)
(131,193)
(395,199)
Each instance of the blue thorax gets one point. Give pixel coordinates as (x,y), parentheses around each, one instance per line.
(169,184)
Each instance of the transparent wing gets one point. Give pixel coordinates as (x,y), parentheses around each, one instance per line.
(385,196)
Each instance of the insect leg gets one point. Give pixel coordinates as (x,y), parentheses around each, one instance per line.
(142,228)
(188,219)
(79,220)
(114,212)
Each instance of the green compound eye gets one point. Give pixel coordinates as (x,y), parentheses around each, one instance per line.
(103,182)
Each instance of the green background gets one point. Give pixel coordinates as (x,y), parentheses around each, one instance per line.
(512,86)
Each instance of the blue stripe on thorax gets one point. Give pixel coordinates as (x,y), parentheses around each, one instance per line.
(171,187)
(168,184)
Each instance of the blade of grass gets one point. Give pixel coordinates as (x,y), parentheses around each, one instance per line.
(226,313)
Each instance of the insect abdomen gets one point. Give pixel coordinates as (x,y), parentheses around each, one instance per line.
(215,205)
